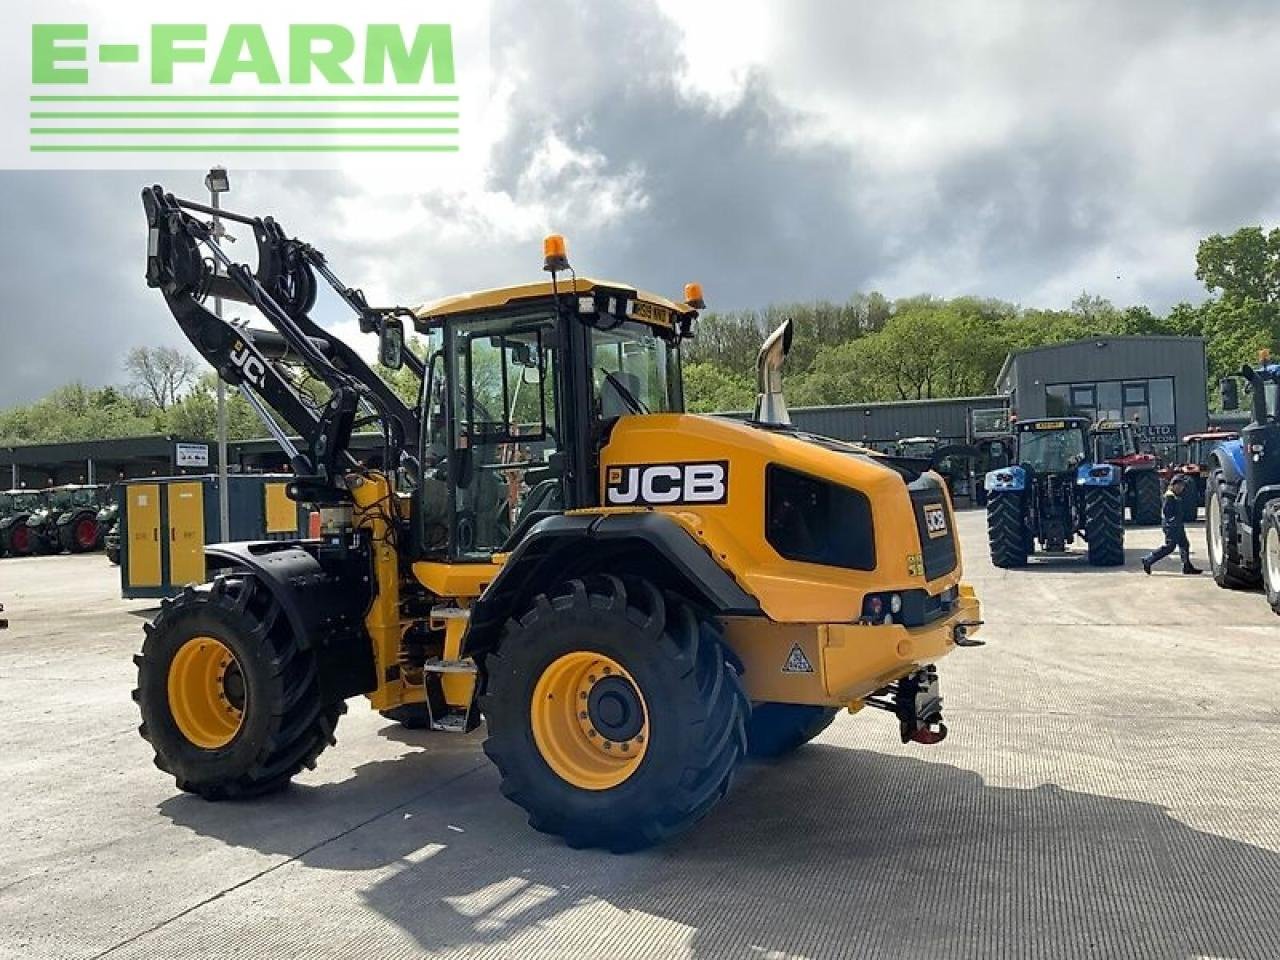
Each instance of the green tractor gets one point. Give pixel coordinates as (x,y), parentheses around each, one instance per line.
(69,520)
(16,509)
(109,529)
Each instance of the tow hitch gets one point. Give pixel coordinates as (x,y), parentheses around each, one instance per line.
(960,634)
(916,702)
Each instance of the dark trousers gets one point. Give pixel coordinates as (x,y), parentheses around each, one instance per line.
(1175,538)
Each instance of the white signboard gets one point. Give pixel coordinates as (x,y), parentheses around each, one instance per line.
(192,455)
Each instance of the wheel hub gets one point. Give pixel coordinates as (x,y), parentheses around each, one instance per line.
(86,532)
(614,709)
(207,692)
(589,720)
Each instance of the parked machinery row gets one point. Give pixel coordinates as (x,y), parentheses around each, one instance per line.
(69,518)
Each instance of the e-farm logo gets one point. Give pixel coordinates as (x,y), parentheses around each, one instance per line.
(282,86)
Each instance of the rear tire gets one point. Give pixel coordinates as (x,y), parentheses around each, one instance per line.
(673,700)
(1224,559)
(1146,498)
(79,534)
(1271,555)
(20,541)
(1104,525)
(776,729)
(283,724)
(1006,530)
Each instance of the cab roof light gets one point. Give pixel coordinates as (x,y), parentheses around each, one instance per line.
(555,253)
(693,296)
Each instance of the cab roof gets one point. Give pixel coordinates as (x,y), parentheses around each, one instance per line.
(649,307)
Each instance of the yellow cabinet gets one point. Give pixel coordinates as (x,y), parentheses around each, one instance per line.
(143,524)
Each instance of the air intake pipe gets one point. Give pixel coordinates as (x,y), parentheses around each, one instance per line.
(771,407)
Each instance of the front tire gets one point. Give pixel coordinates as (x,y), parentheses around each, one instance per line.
(1224,559)
(615,715)
(1104,525)
(1006,530)
(776,729)
(1146,498)
(230,702)
(1271,555)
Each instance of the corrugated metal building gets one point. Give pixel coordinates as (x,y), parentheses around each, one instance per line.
(882,424)
(1156,382)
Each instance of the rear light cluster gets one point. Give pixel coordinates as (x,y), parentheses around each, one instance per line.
(881,607)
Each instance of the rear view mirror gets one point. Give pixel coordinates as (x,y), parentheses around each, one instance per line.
(391,345)
(1229,392)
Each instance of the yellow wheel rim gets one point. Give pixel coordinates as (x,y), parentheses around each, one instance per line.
(206,692)
(589,719)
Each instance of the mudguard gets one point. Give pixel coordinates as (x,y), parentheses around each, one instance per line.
(325,599)
(571,545)
(1005,479)
(1098,475)
(1229,456)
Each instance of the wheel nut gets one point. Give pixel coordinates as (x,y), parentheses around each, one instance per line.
(582,714)
(591,733)
(608,670)
(608,745)
(591,678)
(626,747)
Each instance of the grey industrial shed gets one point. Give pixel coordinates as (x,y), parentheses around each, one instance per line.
(883,423)
(1159,383)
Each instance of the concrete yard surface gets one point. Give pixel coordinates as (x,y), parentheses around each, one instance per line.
(1110,788)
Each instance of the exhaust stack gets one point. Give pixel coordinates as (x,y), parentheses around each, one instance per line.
(771,406)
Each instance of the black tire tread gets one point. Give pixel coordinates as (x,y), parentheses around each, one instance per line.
(688,646)
(777,729)
(1006,530)
(1104,525)
(1146,498)
(1231,575)
(301,725)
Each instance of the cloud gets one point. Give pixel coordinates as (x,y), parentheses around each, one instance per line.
(772,151)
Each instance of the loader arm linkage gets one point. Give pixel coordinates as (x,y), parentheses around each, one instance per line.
(283,290)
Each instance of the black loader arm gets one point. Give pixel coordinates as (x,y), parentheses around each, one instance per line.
(283,289)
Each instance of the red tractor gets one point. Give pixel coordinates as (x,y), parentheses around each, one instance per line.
(1195,463)
(1116,442)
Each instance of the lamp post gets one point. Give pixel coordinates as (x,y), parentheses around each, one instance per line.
(218,184)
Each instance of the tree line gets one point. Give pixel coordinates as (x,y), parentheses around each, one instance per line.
(866,348)
(870,348)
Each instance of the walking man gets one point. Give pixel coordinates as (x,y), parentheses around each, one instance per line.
(1175,532)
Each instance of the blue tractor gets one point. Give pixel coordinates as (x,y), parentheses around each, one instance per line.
(1242,491)
(1053,492)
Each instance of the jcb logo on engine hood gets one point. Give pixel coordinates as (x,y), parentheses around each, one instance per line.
(665,484)
(935,520)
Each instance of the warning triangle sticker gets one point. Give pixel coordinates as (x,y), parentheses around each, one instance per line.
(797,662)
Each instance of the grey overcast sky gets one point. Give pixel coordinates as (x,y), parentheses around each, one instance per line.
(773,151)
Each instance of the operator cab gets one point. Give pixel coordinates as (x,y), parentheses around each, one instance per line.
(523,385)
(1052,446)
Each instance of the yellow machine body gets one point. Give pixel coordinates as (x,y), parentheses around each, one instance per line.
(813,607)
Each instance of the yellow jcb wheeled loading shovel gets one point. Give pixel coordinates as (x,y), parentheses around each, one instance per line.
(632,598)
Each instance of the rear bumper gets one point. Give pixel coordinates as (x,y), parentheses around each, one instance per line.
(839,664)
